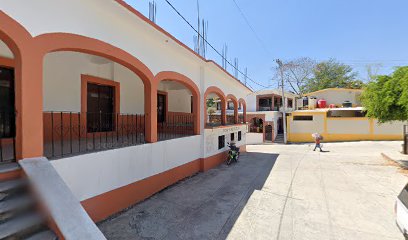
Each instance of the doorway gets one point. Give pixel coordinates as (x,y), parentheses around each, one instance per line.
(161,107)
(269,133)
(7,108)
(280,126)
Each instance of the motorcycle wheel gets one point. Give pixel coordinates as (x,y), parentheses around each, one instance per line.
(228,160)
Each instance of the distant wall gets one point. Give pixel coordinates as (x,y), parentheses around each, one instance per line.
(338,96)
(341,129)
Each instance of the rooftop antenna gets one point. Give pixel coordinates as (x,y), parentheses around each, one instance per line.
(224,55)
(246,76)
(236,68)
(200,40)
(152,11)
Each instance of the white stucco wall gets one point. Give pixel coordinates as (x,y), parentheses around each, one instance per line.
(392,128)
(254,138)
(337,97)
(62,82)
(348,126)
(317,125)
(92,174)
(211,138)
(5,51)
(179,101)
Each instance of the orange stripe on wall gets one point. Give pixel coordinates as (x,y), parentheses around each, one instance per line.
(102,206)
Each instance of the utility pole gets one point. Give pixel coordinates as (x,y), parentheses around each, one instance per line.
(279,62)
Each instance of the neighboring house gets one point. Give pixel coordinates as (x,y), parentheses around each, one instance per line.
(344,121)
(265,114)
(335,96)
(114,100)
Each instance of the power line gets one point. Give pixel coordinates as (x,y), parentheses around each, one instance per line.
(209,44)
(252,29)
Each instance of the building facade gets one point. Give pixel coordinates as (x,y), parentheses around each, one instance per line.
(265,118)
(115,102)
(341,119)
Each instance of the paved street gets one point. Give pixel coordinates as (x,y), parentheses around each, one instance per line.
(276,192)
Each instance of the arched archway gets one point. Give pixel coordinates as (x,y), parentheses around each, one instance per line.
(28,117)
(174,77)
(234,100)
(244,117)
(57,42)
(220,94)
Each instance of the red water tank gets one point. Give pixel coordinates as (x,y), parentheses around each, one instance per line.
(321,103)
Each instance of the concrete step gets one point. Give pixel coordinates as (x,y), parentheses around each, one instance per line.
(14,206)
(10,185)
(44,235)
(8,188)
(9,171)
(9,167)
(21,227)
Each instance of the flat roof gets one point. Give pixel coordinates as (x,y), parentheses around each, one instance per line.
(334,89)
(332,109)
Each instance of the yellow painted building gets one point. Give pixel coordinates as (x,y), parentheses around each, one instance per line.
(339,124)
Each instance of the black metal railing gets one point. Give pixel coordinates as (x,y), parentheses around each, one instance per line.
(176,125)
(72,133)
(230,120)
(214,120)
(7,136)
(241,118)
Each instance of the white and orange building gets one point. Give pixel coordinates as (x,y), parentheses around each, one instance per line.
(114,101)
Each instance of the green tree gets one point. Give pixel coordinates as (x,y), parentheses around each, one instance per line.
(332,74)
(386,97)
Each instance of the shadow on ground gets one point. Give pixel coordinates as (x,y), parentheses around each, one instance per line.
(205,206)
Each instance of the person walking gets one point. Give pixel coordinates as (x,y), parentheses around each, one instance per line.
(317,137)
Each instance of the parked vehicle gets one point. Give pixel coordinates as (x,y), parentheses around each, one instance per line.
(401,211)
(233,153)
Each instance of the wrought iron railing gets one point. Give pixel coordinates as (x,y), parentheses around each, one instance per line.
(7,136)
(214,120)
(230,120)
(71,133)
(241,118)
(176,125)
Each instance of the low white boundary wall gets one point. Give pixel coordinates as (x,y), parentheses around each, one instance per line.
(92,174)
(255,138)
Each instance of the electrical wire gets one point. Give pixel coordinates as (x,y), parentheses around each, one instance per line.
(211,46)
(252,28)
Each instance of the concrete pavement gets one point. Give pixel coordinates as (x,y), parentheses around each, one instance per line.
(346,193)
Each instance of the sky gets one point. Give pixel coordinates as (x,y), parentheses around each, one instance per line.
(354,32)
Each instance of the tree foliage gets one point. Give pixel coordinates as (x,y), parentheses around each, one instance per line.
(304,75)
(297,73)
(386,97)
(332,74)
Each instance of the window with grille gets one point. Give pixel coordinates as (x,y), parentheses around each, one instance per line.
(221,141)
(303,118)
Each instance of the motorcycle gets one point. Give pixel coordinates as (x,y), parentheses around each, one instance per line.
(233,153)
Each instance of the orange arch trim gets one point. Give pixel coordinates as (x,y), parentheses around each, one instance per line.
(235,101)
(53,42)
(187,82)
(221,95)
(242,101)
